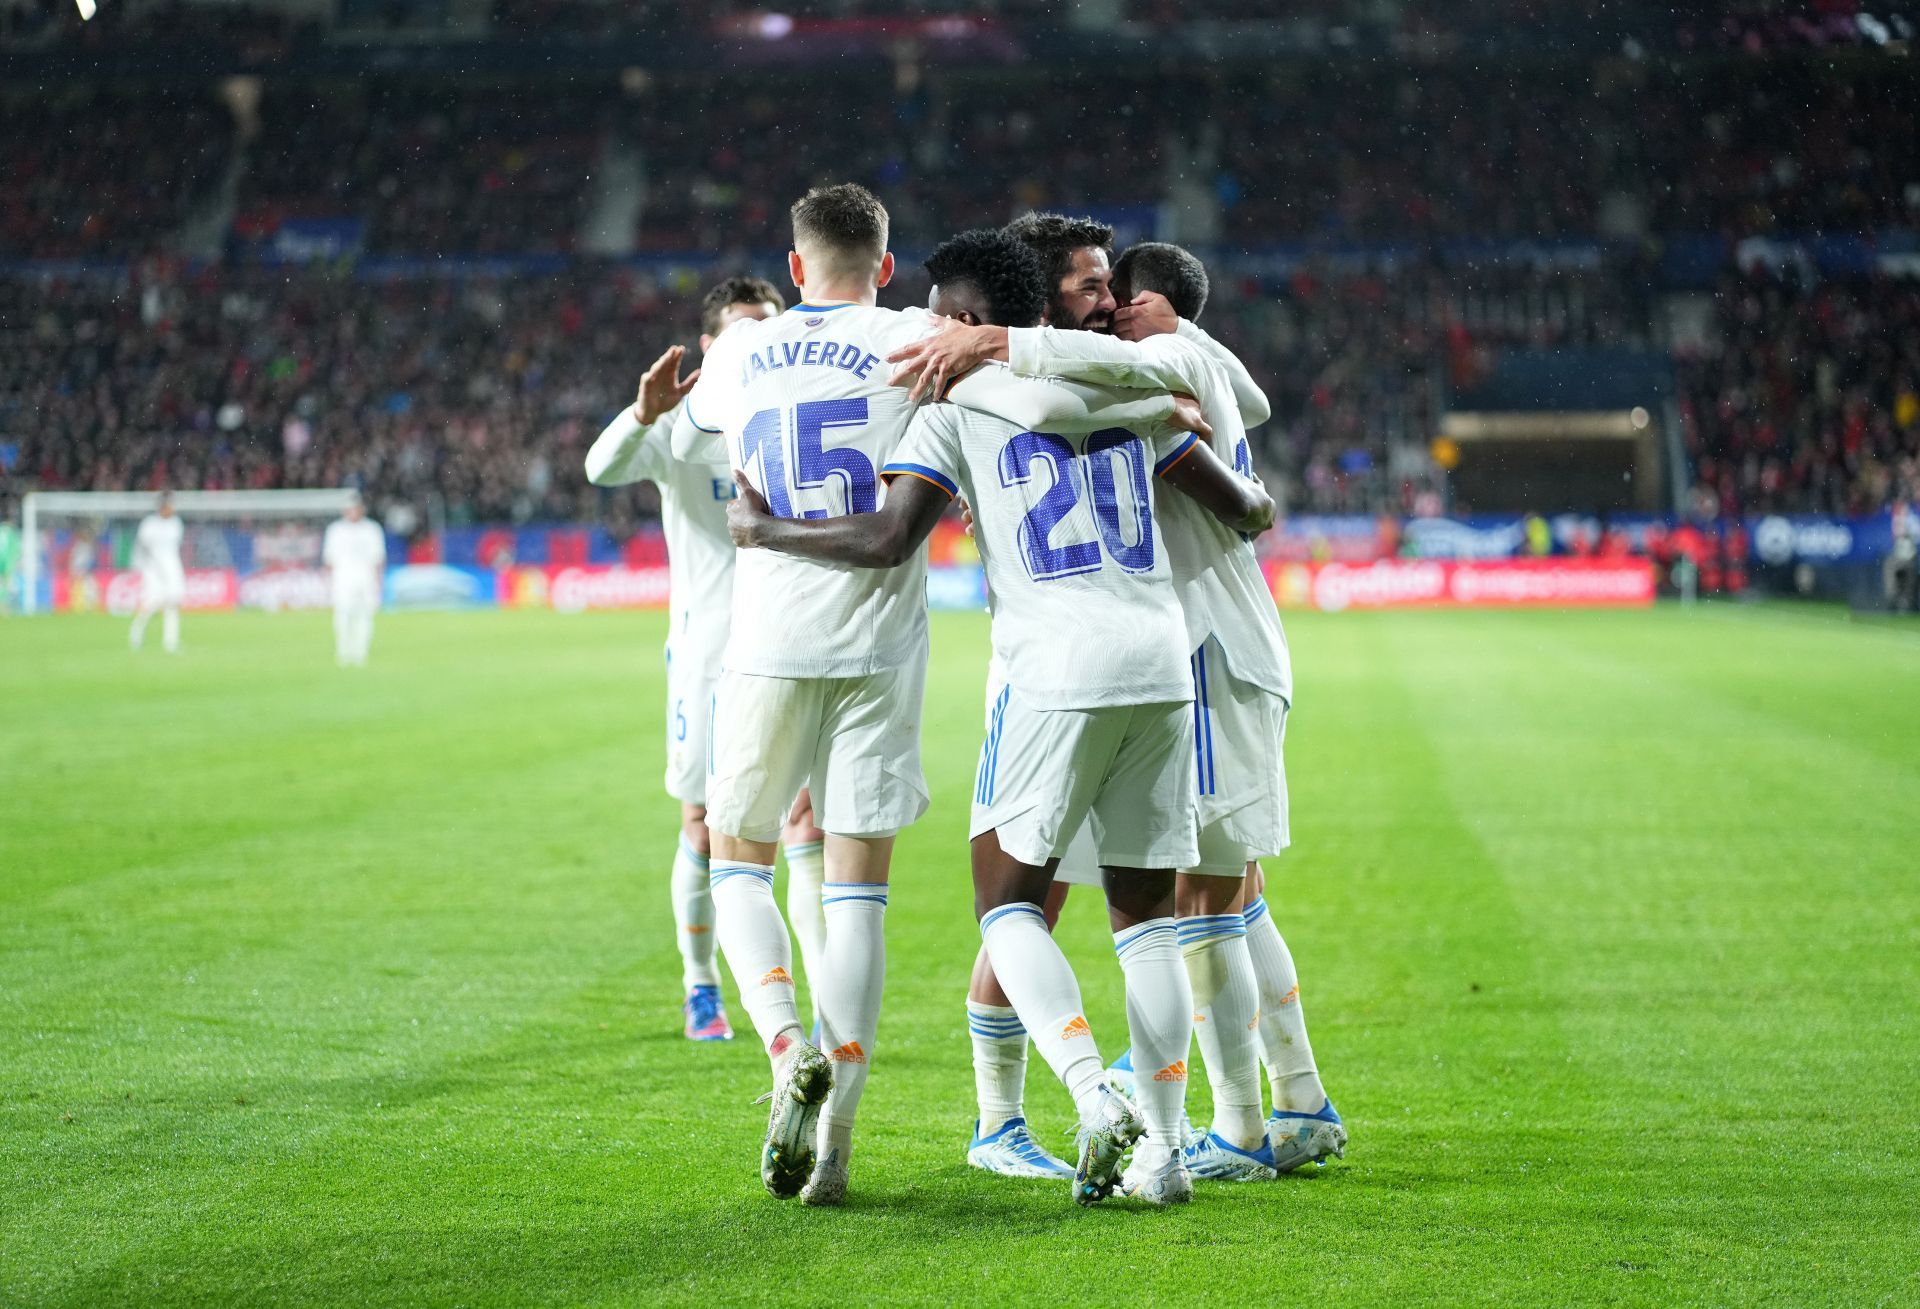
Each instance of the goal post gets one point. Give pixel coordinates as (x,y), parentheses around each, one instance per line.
(40,509)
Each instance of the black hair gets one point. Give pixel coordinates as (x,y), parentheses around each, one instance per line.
(736,291)
(1006,272)
(1054,237)
(1168,269)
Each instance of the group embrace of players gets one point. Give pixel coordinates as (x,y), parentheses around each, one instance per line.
(1136,701)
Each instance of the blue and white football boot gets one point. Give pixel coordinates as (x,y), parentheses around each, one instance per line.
(1120,1074)
(1299,1139)
(1213,1157)
(1012,1152)
(706,1015)
(1163,1183)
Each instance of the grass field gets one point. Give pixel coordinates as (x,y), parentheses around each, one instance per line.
(340,988)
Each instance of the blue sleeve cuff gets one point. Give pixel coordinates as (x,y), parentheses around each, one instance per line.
(1176,455)
(924,473)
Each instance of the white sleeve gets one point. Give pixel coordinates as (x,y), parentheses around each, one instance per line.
(1254,409)
(692,444)
(627,450)
(929,451)
(1054,404)
(1164,362)
(715,398)
(379,539)
(330,546)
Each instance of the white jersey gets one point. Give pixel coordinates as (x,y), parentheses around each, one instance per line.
(803,402)
(693,517)
(156,545)
(356,553)
(1223,590)
(1084,610)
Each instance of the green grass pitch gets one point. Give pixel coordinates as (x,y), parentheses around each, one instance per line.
(333,988)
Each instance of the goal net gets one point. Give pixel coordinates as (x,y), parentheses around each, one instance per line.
(259,548)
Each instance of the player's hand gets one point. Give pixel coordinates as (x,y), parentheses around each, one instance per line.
(745,513)
(954,351)
(1147,314)
(662,387)
(966,517)
(1187,416)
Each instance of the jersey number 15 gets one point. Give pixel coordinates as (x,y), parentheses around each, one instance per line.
(794,439)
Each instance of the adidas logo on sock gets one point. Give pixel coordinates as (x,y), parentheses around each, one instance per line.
(850,1053)
(1078,1027)
(1175,1072)
(777,974)
(1292,995)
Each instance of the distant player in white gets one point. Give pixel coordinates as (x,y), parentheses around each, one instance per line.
(354,550)
(824,664)
(1242,973)
(163,578)
(637,446)
(1096,719)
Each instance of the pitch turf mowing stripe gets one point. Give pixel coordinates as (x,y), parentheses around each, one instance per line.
(464,1080)
(1706,932)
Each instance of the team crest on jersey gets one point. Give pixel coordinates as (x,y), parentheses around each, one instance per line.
(815,322)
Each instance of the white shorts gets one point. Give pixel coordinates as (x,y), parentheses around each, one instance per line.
(1240,780)
(854,740)
(160,589)
(691,685)
(1126,771)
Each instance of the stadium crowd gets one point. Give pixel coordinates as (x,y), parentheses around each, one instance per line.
(475,391)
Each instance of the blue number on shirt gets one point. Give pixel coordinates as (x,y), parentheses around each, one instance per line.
(813,464)
(1135,556)
(1243,459)
(762,436)
(1017,459)
(1072,474)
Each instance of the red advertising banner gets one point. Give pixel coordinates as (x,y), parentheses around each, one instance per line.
(1449,583)
(118,591)
(589,586)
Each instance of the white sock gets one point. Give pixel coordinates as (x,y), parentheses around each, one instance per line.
(1283,1025)
(1160,1020)
(806,872)
(852,978)
(1226,1010)
(693,917)
(170,630)
(138,632)
(753,936)
(1046,996)
(999,1063)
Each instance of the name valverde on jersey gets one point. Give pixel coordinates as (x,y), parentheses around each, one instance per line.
(809,418)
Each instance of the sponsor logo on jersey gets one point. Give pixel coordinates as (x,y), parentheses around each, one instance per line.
(777,974)
(1078,1027)
(850,1053)
(1173,1072)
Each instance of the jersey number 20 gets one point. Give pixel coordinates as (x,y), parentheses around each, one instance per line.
(813,462)
(1096,474)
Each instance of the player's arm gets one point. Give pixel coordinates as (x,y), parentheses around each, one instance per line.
(1193,469)
(885,538)
(623,452)
(1151,314)
(1056,404)
(1254,408)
